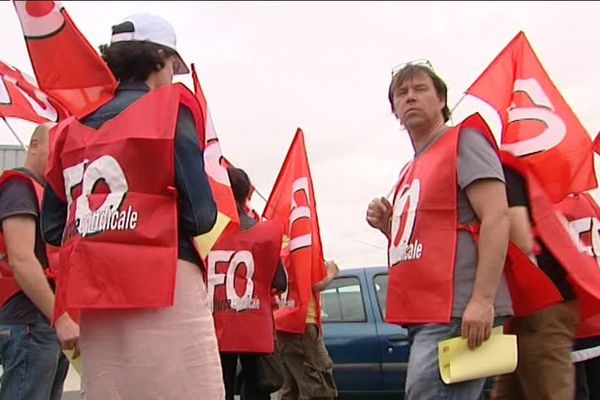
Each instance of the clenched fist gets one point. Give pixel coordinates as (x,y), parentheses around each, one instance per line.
(379,213)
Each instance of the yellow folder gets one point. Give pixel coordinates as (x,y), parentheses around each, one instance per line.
(496,356)
(75,362)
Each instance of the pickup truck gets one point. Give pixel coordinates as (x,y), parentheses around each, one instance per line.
(369,355)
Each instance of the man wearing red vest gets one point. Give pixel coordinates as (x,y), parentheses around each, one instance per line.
(583,215)
(546,335)
(127,192)
(244,269)
(30,350)
(443,283)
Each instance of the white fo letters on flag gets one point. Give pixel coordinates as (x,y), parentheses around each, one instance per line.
(300,185)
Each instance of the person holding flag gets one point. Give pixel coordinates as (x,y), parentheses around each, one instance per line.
(244,317)
(308,369)
(127,192)
(583,215)
(546,154)
(30,349)
(448,232)
(546,336)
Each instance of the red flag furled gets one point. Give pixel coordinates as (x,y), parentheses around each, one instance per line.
(538,124)
(20,98)
(215,165)
(66,66)
(292,203)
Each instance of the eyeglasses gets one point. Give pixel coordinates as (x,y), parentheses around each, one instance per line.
(421,61)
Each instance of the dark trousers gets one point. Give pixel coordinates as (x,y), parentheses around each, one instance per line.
(34,366)
(588,379)
(545,368)
(250,390)
(308,369)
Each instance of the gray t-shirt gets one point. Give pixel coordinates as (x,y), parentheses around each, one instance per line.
(18,198)
(476,160)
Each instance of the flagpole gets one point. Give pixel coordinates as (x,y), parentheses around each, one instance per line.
(456,106)
(389,195)
(14,133)
(369,244)
(260,195)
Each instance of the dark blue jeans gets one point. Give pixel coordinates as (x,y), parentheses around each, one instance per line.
(34,365)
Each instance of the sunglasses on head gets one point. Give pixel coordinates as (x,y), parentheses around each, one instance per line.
(421,62)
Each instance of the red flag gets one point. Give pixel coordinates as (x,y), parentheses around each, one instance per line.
(538,124)
(66,66)
(228,220)
(596,144)
(20,98)
(292,203)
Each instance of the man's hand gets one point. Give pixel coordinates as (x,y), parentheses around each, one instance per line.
(68,334)
(332,268)
(332,271)
(477,322)
(379,213)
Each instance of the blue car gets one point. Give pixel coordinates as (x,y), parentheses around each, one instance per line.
(369,355)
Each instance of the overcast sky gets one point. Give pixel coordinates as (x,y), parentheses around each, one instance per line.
(268,68)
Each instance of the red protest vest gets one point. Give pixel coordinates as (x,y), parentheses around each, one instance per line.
(8,284)
(582,271)
(583,215)
(120,243)
(239,275)
(422,248)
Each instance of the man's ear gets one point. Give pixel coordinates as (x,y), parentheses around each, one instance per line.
(34,145)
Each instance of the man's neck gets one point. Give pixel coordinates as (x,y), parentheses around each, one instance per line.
(421,136)
(31,167)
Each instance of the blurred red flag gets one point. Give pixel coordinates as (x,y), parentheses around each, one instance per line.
(66,66)
(21,98)
(215,165)
(537,123)
(292,203)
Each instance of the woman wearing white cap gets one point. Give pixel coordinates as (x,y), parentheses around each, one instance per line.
(126,194)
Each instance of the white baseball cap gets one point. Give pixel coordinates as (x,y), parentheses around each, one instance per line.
(150,28)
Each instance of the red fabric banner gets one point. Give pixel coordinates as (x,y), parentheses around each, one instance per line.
(66,66)
(292,203)
(228,221)
(538,125)
(21,98)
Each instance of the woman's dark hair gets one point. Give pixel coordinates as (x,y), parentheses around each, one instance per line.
(409,72)
(240,184)
(135,60)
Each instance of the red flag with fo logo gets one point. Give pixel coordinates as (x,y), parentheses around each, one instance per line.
(215,165)
(537,123)
(21,98)
(292,203)
(66,66)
